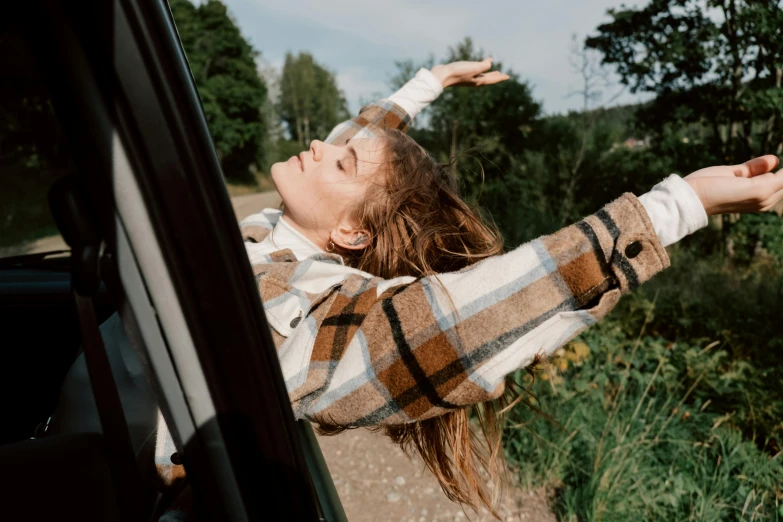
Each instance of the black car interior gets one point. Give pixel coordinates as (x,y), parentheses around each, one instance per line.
(44,477)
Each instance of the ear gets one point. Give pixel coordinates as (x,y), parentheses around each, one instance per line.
(350,238)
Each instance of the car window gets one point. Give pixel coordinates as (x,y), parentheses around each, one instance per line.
(33,151)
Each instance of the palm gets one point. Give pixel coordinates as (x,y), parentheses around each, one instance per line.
(749,187)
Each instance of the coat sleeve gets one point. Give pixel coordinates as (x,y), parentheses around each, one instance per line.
(395,112)
(371,122)
(393,352)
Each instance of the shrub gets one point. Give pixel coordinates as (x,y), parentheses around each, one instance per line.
(710,299)
(634,439)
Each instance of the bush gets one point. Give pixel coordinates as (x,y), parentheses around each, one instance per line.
(711,299)
(670,409)
(635,440)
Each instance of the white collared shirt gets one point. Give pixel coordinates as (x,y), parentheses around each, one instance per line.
(283,236)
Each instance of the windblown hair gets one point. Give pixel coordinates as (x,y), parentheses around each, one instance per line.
(419,226)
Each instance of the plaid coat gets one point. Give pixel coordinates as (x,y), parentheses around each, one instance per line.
(358,350)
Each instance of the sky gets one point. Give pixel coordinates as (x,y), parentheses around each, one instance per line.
(361,40)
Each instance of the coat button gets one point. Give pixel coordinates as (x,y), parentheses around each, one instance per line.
(295,321)
(633,249)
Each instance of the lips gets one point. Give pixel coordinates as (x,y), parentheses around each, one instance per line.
(297,160)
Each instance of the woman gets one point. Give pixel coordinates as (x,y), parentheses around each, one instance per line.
(391,301)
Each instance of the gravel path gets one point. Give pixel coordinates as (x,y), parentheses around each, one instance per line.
(377,482)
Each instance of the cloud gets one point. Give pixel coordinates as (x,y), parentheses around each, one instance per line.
(405,24)
(359,88)
(361,39)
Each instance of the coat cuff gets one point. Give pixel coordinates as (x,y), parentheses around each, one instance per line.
(674,209)
(419,92)
(624,233)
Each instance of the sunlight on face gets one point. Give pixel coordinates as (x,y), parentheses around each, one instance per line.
(320,187)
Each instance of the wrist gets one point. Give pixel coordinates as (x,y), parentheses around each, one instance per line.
(441,73)
(698,189)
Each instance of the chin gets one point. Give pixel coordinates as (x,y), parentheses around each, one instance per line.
(276,168)
(277,173)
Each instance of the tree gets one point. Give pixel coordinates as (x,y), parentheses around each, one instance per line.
(716,68)
(491,123)
(310,104)
(715,63)
(484,133)
(232,93)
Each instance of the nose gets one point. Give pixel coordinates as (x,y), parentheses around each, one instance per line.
(317,148)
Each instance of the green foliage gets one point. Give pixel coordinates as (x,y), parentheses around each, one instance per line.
(494,120)
(707,299)
(670,408)
(483,133)
(232,93)
(284,149)
(717,63)
(639,434)
(716,70)
(757,231)
(310,102)
(572,166)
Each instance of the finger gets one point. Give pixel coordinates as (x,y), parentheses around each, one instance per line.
(756,166)
(768,183)
(491,78)
(773,201)
(483,66)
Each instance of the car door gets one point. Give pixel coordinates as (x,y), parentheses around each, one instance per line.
(171,255)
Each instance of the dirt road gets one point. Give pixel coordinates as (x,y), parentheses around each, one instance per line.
(377,482)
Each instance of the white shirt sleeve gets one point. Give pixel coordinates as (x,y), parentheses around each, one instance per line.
(419,92)
(674,209)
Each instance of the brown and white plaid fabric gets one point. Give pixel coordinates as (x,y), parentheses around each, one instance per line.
(372,120)
(357,350)
(369,351)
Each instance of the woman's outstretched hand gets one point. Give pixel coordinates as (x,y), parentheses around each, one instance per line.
(468,73)
(749,187)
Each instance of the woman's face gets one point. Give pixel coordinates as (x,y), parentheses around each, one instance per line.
(322,186)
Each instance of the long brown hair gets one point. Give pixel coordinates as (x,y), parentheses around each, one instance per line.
(420,227)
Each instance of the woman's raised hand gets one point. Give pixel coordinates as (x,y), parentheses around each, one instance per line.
(468,73)
(749,187)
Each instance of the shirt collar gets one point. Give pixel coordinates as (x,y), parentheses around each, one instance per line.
(284,236)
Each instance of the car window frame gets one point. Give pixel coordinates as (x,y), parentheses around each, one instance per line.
(122,88)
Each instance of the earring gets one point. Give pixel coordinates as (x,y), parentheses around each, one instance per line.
(330,247)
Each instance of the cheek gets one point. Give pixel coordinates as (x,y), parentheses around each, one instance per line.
(341,195)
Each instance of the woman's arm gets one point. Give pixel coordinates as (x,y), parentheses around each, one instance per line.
(397,111)
(404,350)
(391,352)
(678,207)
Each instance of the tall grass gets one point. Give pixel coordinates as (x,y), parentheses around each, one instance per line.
(655,425)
